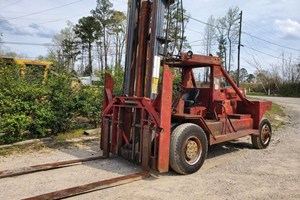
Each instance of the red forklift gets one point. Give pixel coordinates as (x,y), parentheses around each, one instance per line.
(153,123)
(151,126)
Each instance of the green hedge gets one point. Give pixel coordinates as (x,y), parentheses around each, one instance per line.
(29,108)
(290,89)
(284,89)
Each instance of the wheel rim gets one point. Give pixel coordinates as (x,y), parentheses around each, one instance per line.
(265,134)
(192,150)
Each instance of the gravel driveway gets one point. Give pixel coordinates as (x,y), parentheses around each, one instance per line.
(232,170)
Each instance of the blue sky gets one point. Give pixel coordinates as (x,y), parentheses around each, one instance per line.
(276,21)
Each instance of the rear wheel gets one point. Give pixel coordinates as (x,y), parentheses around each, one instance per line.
(263,140)
(188,148)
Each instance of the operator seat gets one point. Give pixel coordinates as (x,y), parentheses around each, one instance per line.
(190,97)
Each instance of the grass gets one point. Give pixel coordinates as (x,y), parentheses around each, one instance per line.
(21,149)
(70,134)
(257,94)
(276,116)
(59,141)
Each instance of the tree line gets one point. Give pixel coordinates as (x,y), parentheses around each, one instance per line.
(281,78)
(96,40)
(100,40)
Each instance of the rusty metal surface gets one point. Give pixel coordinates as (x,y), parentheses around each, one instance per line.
(105,137)
(233,85)
(132,33)
(44,167)
(195,61)
(130,136)
(165,121)
(257,110)
(229,114)
(223,138)
(141,66)
(107,99)
(146,148)
(100,185)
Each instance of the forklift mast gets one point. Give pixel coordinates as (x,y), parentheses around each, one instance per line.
(136,126)
(145,35)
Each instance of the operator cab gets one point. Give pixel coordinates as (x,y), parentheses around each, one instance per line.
(205,91)
(190,97)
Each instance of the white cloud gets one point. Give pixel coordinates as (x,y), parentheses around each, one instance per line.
(290,28)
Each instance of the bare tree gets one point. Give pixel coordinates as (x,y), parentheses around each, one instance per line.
(65,49)
(119,37)
(261,75)
(209,39)
(290,70)
(230,24)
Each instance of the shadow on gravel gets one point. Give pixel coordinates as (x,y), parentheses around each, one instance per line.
(118,165)
(227,148)
(114,164)
(213,151)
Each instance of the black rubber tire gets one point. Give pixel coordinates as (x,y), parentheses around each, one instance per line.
(258,141)
(181,136)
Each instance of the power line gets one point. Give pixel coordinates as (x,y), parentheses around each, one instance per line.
(37,44)
(261,52)
(247,62)
(11,4)
(41,20)
(194,41)
(242,32)
(253,53)
(279,45)
(203,45)
(251,35)
(51,21)
(202,22)
(64,5)
(29,44)
(195,31)
(18,12)
(267,33)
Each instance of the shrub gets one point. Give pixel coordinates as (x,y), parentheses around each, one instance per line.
(118,77)
(89,104)
(34,108)
(29,106)
(290,89)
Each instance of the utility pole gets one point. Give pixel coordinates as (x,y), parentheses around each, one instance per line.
(239,50)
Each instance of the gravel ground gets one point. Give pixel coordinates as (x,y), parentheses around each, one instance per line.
(232,170)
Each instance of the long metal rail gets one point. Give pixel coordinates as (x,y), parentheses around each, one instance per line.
(77,190)
(47,166)
(91,187)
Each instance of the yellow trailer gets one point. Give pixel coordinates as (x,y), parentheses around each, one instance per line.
(30,67)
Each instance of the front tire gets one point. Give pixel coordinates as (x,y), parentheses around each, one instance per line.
(263,140)
(188,148)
